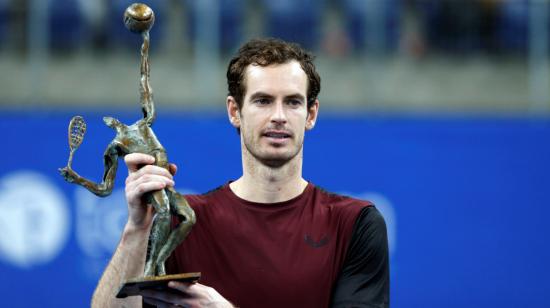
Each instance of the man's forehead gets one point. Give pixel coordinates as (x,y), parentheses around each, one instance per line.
(282,74)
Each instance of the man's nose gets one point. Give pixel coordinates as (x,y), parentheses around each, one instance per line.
(278,114)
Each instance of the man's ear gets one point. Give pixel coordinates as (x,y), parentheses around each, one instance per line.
(312,113)
(233,112)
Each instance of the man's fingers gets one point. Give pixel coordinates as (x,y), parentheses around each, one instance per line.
(136,160)
(164,298)
(155,178)
(193,289)
(189,295)
(180,286)
(146,171)
(135,189)
(158,303)
(142,188)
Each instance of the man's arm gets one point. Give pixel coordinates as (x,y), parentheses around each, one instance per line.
(128,260)
(365,277)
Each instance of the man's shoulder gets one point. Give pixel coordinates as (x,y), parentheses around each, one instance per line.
(337,200)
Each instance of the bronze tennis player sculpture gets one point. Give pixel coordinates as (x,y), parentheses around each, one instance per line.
(139,138)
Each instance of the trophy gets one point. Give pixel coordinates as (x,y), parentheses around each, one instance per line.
(140,138)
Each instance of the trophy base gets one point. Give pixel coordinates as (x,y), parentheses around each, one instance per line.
(134,286)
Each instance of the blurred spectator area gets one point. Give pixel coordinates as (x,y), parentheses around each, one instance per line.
(450,55)
(472,26)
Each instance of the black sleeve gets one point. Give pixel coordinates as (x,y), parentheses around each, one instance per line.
(365,277)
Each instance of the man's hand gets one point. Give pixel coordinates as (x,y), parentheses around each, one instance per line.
(192,295)
(144,177)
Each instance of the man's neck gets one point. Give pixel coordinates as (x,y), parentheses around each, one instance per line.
(264,184)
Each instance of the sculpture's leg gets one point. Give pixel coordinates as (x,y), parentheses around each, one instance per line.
(159,231)
(181,208)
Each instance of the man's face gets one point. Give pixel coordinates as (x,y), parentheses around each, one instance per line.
(274,114)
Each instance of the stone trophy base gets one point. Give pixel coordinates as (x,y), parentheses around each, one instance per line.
(134,286)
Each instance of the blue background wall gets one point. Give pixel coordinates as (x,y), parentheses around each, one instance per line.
(466,200)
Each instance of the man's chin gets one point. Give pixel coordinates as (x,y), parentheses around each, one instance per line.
(275,161)
(273,157)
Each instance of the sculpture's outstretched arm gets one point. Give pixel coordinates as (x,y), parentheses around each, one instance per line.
(104,188)
(139,18)
(147,104)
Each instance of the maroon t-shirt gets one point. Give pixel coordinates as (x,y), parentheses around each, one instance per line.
(286,254)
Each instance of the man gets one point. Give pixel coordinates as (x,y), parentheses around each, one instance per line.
(270,238)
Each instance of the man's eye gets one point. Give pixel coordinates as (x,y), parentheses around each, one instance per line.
(262,101)
(294,102)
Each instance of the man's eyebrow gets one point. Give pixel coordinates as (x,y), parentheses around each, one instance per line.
(266,95)
(296,96)
(260,95)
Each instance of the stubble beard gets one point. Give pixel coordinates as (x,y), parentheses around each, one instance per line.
(272,161)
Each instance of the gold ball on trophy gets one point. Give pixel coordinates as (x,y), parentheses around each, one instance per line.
(138,17)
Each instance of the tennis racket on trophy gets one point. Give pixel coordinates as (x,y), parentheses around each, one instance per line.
(77,129)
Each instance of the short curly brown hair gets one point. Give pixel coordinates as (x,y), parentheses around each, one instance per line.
(265,52)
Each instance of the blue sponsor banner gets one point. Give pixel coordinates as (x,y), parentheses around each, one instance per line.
(466,200)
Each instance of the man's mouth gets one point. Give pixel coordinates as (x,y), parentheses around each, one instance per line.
(277,134)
